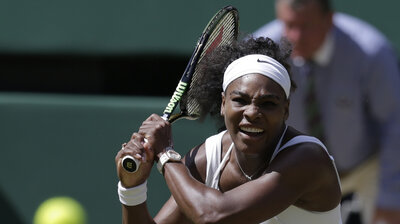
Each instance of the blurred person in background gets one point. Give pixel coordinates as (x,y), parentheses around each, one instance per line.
(348,95)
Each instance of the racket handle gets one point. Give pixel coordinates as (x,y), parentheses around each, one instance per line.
(130,164)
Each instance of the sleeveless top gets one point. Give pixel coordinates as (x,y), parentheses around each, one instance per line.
(291,215)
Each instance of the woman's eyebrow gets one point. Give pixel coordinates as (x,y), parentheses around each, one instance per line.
(269,96)
(262,97)
(237,92)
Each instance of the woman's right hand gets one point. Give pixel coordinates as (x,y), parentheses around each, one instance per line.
(135,148)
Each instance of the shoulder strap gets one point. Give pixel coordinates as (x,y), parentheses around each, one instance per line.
(301,139)
(213,146)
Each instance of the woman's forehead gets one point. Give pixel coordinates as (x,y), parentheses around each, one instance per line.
(256,82)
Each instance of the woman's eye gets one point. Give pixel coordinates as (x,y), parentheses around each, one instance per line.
(239,101)
(269,104)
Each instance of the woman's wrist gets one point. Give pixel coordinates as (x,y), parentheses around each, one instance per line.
(132,196)
(170,155)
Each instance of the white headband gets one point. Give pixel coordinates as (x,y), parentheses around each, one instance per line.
(260,64)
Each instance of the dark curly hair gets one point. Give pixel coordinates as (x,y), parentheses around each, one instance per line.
(208,88)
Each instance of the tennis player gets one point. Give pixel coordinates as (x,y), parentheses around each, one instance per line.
(257,170)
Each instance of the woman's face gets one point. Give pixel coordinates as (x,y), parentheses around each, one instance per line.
(255,109)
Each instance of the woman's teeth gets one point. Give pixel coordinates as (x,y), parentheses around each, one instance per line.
(251,130)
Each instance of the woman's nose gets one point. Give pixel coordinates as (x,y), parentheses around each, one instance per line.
(252,112)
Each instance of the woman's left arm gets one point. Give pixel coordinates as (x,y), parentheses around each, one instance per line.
(291,176)
(288,178)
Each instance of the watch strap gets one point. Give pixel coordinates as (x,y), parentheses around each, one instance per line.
(166,157)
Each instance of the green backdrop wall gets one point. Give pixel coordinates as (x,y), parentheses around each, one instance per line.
(101,47)
(64,145)
(126,26)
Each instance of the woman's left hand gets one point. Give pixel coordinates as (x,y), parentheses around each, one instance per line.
(157,132)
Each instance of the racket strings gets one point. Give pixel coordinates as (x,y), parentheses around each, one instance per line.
(224,33)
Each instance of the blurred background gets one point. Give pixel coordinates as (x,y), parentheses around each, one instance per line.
(78,77)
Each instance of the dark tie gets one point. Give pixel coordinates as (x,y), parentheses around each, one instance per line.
(313,114)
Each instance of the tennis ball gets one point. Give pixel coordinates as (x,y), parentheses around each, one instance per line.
(60,210)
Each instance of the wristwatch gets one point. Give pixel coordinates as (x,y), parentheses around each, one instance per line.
(170,155)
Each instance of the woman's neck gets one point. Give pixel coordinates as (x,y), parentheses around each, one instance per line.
(252,164)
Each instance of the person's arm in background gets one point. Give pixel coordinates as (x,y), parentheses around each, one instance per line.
(384,100)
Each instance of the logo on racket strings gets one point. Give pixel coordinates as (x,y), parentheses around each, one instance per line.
(180,89)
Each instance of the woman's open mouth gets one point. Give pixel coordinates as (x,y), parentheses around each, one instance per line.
(251,130)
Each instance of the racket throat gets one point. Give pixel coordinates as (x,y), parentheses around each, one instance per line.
(182,115)
(176,97)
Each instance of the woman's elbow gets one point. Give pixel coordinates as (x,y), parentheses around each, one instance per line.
(209,215)
(206,218)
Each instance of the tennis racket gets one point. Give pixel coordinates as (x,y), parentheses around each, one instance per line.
(222,29)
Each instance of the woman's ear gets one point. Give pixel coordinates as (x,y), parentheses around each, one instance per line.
(223,104)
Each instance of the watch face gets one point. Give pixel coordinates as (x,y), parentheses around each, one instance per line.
(174,155)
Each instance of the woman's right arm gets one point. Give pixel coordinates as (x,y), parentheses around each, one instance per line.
(138,214)
(132,188)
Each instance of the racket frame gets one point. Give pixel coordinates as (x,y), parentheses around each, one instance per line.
(130,163)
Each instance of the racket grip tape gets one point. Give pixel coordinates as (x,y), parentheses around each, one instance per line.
(130,164)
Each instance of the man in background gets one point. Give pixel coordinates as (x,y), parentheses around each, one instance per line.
(349,95)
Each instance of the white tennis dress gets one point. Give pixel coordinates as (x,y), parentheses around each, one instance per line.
(293,214)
